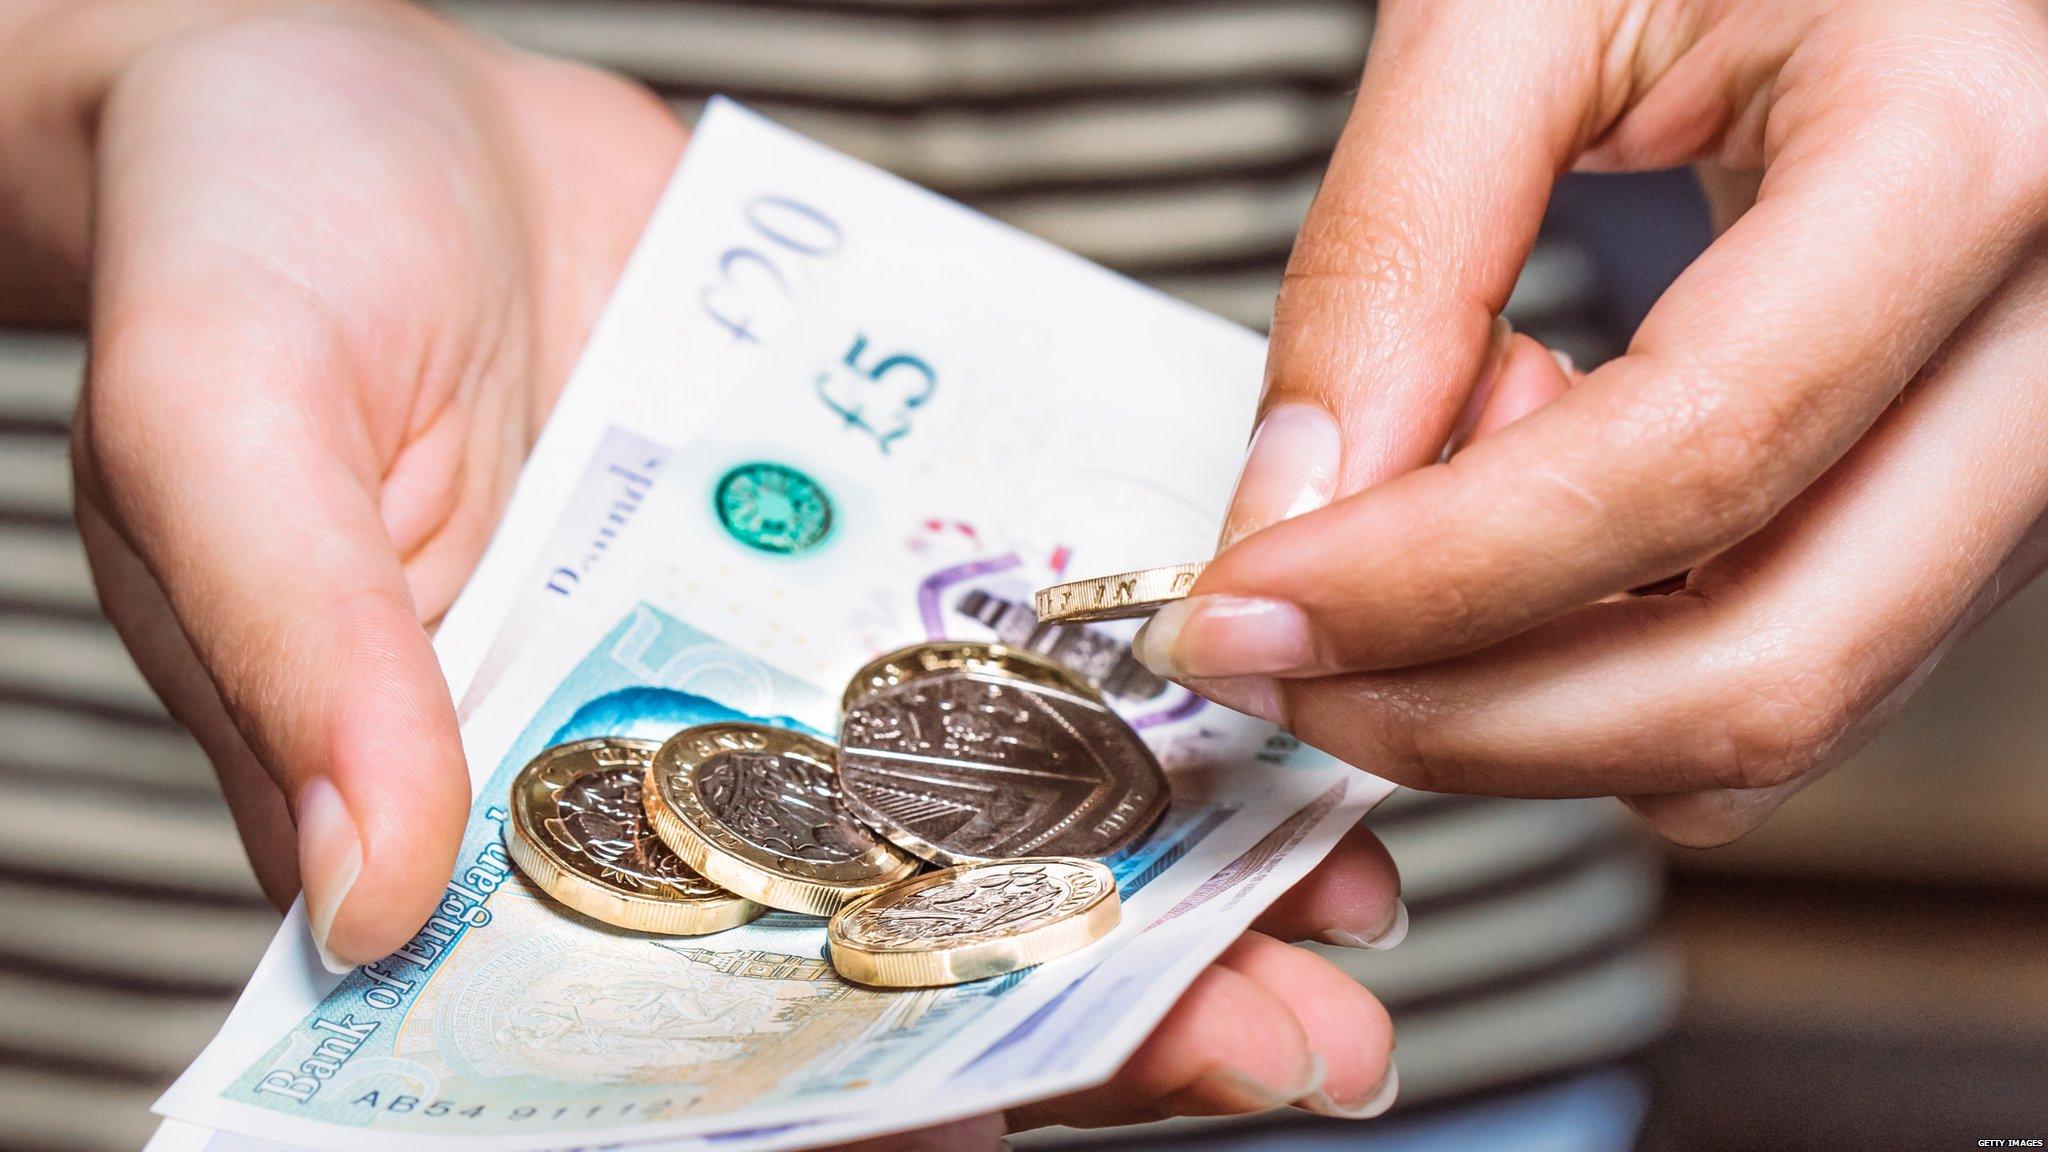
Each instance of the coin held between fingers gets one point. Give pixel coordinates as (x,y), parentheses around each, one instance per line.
(1125,596)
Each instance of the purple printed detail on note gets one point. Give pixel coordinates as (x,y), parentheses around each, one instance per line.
(1189,705)
(1260,858)
(930,608)
(1098,655)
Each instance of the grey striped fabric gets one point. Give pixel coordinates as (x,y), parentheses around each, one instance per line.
(1177,140)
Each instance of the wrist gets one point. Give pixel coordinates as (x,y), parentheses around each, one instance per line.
(61,60)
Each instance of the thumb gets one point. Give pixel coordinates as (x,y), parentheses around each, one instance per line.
(275,562)
(217,443)
(1430,206)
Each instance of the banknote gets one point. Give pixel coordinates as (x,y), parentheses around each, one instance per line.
(601,510)
(512,1020)
(766,244)
(923,418)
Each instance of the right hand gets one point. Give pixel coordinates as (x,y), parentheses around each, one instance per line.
(1829,425)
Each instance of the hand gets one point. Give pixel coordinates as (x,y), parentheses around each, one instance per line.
(343,259)
(1832,423)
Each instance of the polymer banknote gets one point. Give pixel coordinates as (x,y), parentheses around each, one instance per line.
(911,319)
(894,447)
(509,1020)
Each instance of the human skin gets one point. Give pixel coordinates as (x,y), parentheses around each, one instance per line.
(1831,425)
(335,260)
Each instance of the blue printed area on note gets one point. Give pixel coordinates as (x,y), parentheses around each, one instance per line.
(1179,830)
(510,1013)
(654,675)
(506,1010)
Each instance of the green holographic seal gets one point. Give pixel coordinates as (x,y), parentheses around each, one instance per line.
(774,508)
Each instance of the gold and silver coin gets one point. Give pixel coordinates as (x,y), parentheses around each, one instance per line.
(1124,596)
(757,810)
(577,828)
(964,752)
(973,922)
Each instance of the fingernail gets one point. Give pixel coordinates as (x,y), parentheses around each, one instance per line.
(1290,468)
(330,858)
(1224,1091)
(1210,637)
(1482,389)
(1564,361)
(1257,696)
(1365,1107)
(1395,931)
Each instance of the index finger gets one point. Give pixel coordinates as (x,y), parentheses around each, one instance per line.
(1764,362)
(1429,209)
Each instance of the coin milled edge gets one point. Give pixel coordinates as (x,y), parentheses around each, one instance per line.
(617,907)
(1124,596)
(678,822)
(941,965)
(936,656)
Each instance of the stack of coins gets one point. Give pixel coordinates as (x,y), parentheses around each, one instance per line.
(1006,770)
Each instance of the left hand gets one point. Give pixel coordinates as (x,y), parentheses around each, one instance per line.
(1266,1026)
(1832,424)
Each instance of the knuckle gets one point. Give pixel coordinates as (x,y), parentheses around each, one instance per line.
(1714,445)
(1425,772)
(1395,754)
(1443,611)
(133,413)
(1780,726)
(1451,590)
(261,670)
(1342,238)
(1382,729)
(251,680)
(86,486)
(1363,256)
(1412,759)
(165,394)
(1959,89)
(110,431)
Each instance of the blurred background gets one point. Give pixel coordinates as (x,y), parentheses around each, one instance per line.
(1869,971)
